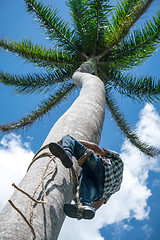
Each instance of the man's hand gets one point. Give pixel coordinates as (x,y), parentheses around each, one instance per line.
(99,203)
(94,147)
(104,152)
(100,151)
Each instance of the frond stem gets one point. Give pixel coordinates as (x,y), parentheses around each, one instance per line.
(125,32)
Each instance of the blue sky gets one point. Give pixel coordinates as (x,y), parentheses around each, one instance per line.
(134,212)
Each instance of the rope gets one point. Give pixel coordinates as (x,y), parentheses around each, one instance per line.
(42,155)
(81,160)
(43,188)
(25,219)
(44,176)
(84,157)
(25,193)
(80,211)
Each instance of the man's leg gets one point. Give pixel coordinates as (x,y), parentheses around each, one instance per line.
(72,146)
(87,193)
(93,168)
(91,181)
(67,148)
(84,210)
(88,185)
(91,189)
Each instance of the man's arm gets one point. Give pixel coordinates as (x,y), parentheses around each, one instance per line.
(94,147)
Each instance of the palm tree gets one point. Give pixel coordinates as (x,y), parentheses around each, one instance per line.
(102,41)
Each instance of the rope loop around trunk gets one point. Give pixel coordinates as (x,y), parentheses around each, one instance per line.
(32,197)
(41,183)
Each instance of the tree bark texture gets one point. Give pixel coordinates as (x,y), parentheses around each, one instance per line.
(83,120)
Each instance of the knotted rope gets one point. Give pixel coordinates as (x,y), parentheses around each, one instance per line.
(44,176)
(81,160)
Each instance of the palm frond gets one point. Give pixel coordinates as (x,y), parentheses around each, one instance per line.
(127,12)
(90,20)
(137,88)
(57,30)
(125,128)
(138,46)
(37,54)
(41,110)
(37,82)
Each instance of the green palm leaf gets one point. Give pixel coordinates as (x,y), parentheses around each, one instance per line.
(125,128)
(104,40)
(90,20)
(42,109)
(138,88)
(54,26)
(127,12)
(39,55)
(33,83)
(138,46)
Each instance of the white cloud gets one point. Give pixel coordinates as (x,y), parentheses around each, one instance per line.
(131,200)
(149,126)
(147,231)
(14,159)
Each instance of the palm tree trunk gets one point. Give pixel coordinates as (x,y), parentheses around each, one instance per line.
(83,120)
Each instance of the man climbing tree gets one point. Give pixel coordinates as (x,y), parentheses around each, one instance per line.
(100,178)
(103,37)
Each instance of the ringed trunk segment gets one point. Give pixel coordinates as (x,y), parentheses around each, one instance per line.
(83,120)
